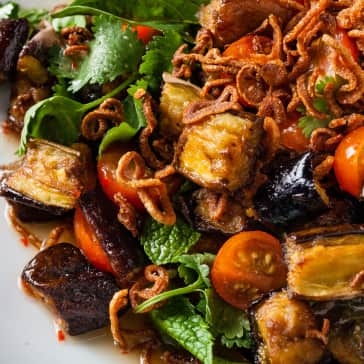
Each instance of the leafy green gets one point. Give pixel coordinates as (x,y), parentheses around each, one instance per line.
(166,243)
(158,58)
(113,52)
(227,321)
(34,16)
(69,21)
(309,123)
(179,320)
(336,80)
(58,118)
(218,360)
(9,10)
(191,265)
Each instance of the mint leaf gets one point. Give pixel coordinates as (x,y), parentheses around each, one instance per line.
(229,322)
(179,320)
(165,243)
(113,52)
(9,10)
(69,21)
(158,58)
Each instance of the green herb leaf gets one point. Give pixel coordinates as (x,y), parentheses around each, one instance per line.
(337,81)
(34,16)
(9,10)
(158,58)
(227,321)
(166,243)
(69,21)
(179,320)
(310,123)
(190,265)
(58,118)
(113,52)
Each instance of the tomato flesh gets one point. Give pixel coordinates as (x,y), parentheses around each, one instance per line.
(292,135)
(106,170)
(89,244)
(145,33)
(342,36)
(349,162)
(248,265)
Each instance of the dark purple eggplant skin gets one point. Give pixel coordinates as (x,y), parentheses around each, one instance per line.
(290,193)
(78,293)
(117,242)
(13,35)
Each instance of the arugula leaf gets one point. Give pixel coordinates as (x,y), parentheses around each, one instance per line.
(158,58)
(9,10)
(166,243)
(229,322)
(179,320)
(58,118)
(69,21)
(190,265)
(113,52)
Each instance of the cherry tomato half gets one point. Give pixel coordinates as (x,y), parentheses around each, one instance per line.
(145,33)
(89,244)
(247,265)
(106,169)
(292,135)
(349,162)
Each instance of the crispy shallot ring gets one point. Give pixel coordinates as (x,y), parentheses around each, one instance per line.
(96,123)
(54,236)
(272,106)
(358,280)
(200,110)
(329,94)
(178,358)
(352,15)
(272,138)
(319,138)
(117,303)
(323,169)
(76,50)
(306,99)
(75,39)
(204,41)
(127,215)
(213,84)
(142,291)
(145,148)
(348,93)
(320,335)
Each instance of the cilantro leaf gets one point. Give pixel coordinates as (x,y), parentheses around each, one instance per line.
(309,123)
(166,243)
(336,80)
(158,58)
(58,118)
(34,16)
(9,10)
(113,52)
(229,322)
(69,21)
(190,265)
(179,320)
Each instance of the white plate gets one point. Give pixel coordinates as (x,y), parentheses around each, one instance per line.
(27,332)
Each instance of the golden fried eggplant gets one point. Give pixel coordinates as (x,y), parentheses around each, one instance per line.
(286,328)
(176,96)
(50,178)
(220,152)
(326,263)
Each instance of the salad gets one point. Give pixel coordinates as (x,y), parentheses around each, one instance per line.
(208,158)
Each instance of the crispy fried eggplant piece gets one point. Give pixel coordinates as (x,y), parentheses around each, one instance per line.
(291,193)
(76,291)
(120,247)
(220,153)
(326,263)
(284,327)
(13,34)
(50,178)
(228,20)
(176,96)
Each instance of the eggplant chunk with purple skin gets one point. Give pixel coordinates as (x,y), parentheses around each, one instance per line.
(48,180)
(13,34)
(77,292)
(284,328)
(326,263)
(220,153)
(292,192)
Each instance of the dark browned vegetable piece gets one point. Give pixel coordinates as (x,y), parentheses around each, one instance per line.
(117,242)
(13,34)
(76,291)
(286,329)
(326,263)
(228,20)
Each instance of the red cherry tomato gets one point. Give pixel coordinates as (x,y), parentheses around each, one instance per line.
(342,36)
(106,169)
(145,33)
(247,265)
(243,48)
(349,162)
(89,244)
(291,134)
